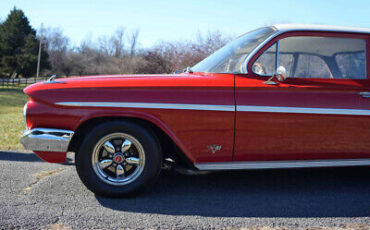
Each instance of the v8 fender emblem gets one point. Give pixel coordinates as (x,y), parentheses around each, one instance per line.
(214,148)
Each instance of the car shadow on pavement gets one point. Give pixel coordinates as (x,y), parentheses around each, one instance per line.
(27,157)
(332,192)
(18,156)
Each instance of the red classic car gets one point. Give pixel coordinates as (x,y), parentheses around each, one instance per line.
(284,96)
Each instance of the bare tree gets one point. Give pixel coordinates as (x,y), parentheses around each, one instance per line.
(105,45)
(57,46)
(118,41)
(181,54)
(153,63)
(118,53)
(55,40)
(133,38)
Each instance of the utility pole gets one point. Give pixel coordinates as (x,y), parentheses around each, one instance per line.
(39,57)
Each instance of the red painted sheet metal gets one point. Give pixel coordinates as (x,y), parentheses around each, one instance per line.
(192,130)
(52,157)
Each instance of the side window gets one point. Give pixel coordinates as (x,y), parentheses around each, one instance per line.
(265,64)
(351,65)
(316,57)
(286,60)
(311,66)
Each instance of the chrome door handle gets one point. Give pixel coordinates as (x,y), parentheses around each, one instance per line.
(364,94)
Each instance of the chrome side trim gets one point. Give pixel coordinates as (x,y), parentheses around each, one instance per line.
(49,140)
(282,164)
(230,108)
(276,109)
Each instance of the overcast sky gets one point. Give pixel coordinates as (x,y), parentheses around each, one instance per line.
(176,20)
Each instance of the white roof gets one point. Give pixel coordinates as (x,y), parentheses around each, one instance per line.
(306,27)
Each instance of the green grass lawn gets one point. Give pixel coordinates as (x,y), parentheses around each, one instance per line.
(12,101)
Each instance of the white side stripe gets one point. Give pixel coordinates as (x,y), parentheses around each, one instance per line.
(275,109)
(230,108)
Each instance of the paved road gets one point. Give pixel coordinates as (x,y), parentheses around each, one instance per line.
(275,198)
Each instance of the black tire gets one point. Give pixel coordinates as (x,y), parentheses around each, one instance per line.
(150,170)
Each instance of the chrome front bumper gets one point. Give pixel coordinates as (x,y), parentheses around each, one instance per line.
(48,140)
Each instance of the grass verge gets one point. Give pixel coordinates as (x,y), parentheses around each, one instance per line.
(12,101)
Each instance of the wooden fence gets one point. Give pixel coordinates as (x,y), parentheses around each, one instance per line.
(20,82)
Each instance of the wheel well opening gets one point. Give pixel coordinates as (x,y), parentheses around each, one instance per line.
(169,147)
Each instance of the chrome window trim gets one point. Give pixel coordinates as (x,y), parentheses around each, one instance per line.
(257,48)
(277,56)
(230,108)
(324,28)
(303,110)
(266,75)
(240,165)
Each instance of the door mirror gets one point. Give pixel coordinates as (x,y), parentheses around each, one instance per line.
(280,76)
(281,73)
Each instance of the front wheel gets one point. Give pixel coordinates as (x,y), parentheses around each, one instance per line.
(118,159)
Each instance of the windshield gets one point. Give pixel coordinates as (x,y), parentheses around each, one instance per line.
(230,58)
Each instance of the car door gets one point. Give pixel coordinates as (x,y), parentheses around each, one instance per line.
(320,112)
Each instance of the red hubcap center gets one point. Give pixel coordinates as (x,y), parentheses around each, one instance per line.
(118,159)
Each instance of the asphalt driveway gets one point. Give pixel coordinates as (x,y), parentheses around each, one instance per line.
(35,194)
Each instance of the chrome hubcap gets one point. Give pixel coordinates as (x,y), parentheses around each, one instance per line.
(118,159)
